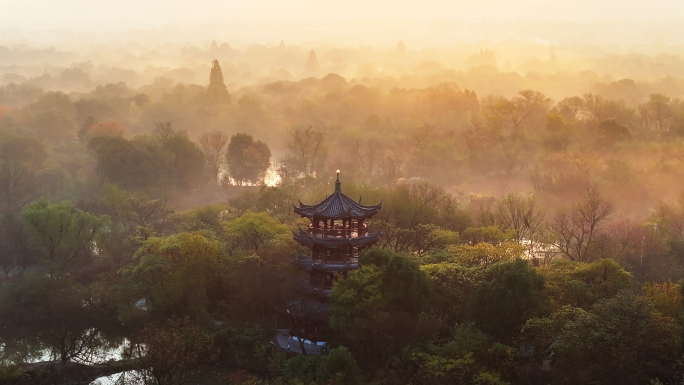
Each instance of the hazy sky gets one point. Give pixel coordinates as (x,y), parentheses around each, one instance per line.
(361,21)
(119,14)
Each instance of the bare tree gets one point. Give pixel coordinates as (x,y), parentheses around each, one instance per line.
(523,106)
(522,214)
(163,131)
(511,151)
(575,227)
(570,107)
(306,146)
(366,155)
(594,107)
(17,185)
(656,113)
(213,145)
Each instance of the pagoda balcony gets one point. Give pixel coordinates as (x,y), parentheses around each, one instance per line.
(305,262)
(338,232)
(307,239)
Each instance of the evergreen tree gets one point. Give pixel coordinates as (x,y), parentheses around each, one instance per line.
(217,91)
(312,68)
(401,48)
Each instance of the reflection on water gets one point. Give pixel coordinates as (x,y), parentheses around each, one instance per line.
(109,348)
(271,178)
(124,378)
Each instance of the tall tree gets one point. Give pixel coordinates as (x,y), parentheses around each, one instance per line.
(306,151)
(657,113)
(217,91)
(247,159)
(212,145)
(521,214)
(575,227)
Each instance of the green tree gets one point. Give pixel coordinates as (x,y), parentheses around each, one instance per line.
(62,234)
(620,340)
(247,159)
(512,294)
(174,274)
(336,368)
(581,285)
(252,230)
(375,309)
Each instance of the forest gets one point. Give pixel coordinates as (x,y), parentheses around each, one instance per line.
(532,212)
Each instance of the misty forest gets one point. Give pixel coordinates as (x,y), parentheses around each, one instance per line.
(211,211)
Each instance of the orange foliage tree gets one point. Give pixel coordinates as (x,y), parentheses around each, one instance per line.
(106,128)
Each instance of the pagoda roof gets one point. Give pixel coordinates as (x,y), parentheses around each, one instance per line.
(337,205)
(305,262)
(309,240)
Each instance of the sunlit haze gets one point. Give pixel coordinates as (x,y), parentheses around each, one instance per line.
(359,192)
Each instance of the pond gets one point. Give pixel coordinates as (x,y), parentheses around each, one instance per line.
(110,348)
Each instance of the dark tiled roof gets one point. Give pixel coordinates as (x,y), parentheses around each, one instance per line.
(309,240)
(337,205)
(304,262)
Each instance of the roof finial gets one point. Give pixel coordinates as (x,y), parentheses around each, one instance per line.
(337,182)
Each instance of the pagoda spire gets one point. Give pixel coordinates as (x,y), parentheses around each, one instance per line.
(338,187)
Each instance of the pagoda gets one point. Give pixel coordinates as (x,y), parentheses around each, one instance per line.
(337,234)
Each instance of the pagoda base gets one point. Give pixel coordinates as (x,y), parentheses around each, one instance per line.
(291,344)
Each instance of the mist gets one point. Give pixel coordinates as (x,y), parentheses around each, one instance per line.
(359,192)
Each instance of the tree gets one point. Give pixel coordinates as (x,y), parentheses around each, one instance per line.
(217,92)
(574,228)
(17,185)
(375,309)
(571,107)
(53,125)
(66,324)
(105,128)
(559,129)
(657,113)
(24,149)
(89,121)
(580,285)
(135,211)
(337,367)
(14,247)
(186,169)
(172,353)
(174,273)
(620,340)
(127,163)
(610,132)
(166,159)
(306,150)
(55,100)
(312,68)
(254,230)
(523,106)
(513,294)
(213,144)
(247,159)
(522,214)
(61,233)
